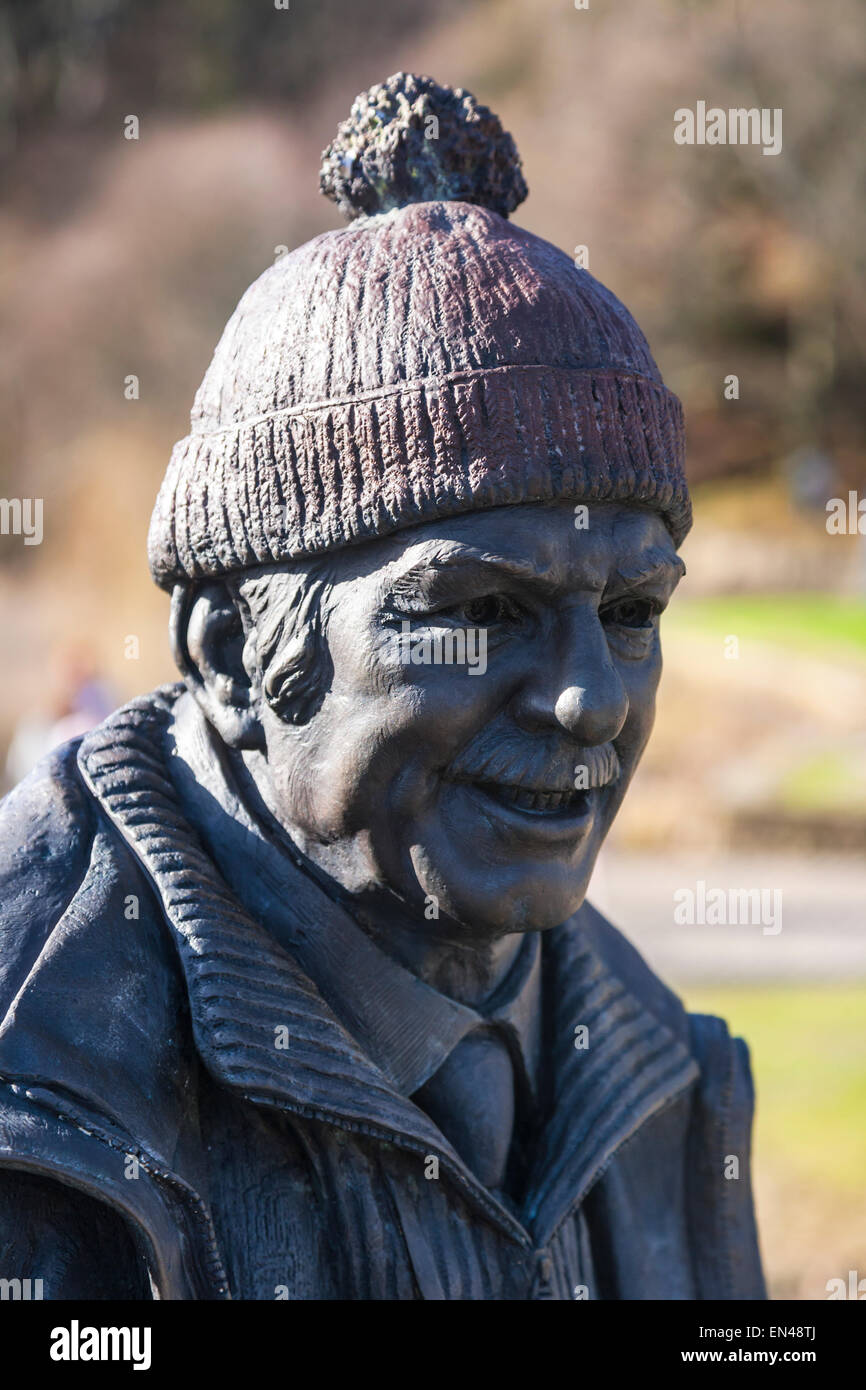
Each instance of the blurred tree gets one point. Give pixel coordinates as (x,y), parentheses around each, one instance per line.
(70,61)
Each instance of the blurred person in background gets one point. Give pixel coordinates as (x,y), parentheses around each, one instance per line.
(78,699)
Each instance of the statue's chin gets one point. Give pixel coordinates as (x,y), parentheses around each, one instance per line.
(497,914)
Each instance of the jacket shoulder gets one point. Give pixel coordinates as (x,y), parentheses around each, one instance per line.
(47,826)
(724,1228)
(46,820)
(713,1121)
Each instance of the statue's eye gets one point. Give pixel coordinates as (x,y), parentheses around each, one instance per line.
(492,608)
(630,612)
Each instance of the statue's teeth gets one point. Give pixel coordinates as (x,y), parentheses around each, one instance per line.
(527,799)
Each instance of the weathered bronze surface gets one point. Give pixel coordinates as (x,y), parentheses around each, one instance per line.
(300,994)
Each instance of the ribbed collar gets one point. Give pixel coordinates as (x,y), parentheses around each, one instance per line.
(245,988)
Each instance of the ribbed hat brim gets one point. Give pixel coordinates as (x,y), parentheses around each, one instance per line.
(307,480)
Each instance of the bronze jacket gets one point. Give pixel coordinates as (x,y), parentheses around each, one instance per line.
(155,1143)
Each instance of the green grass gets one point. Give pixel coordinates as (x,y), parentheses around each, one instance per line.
(809,621)
(808,1047)
(828,781)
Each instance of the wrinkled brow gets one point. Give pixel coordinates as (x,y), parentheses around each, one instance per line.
(652,564)
(443,561)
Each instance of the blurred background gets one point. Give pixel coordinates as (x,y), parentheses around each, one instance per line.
(120,260)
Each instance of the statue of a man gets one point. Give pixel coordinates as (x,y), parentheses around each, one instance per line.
(300,995)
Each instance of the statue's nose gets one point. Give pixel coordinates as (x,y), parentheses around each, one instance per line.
(570,706)
(593,718)
(592,711)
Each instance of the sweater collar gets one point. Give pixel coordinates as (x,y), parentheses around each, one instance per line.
(247,991)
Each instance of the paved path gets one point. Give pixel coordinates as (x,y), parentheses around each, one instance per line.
(823,916)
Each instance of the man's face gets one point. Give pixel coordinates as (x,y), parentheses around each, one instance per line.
(490,790)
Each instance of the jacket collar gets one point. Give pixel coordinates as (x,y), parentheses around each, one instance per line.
(245,990)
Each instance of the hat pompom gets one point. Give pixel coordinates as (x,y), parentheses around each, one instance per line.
(410,140)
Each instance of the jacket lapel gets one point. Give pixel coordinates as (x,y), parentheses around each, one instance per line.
(607,1081)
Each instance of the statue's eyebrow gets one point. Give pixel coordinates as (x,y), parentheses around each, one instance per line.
(440,563)
(432,571)
(653,566)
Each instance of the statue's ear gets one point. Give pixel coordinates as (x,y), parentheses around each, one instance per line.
(214,650)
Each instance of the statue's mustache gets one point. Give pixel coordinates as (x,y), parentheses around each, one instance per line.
(543,765)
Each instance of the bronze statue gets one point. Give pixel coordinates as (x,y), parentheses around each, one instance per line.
(300,995)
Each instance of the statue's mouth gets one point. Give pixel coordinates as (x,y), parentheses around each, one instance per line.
(536,801)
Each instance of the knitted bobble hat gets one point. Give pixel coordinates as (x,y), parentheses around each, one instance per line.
(426,360)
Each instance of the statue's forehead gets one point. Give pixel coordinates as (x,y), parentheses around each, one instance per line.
(541,541)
